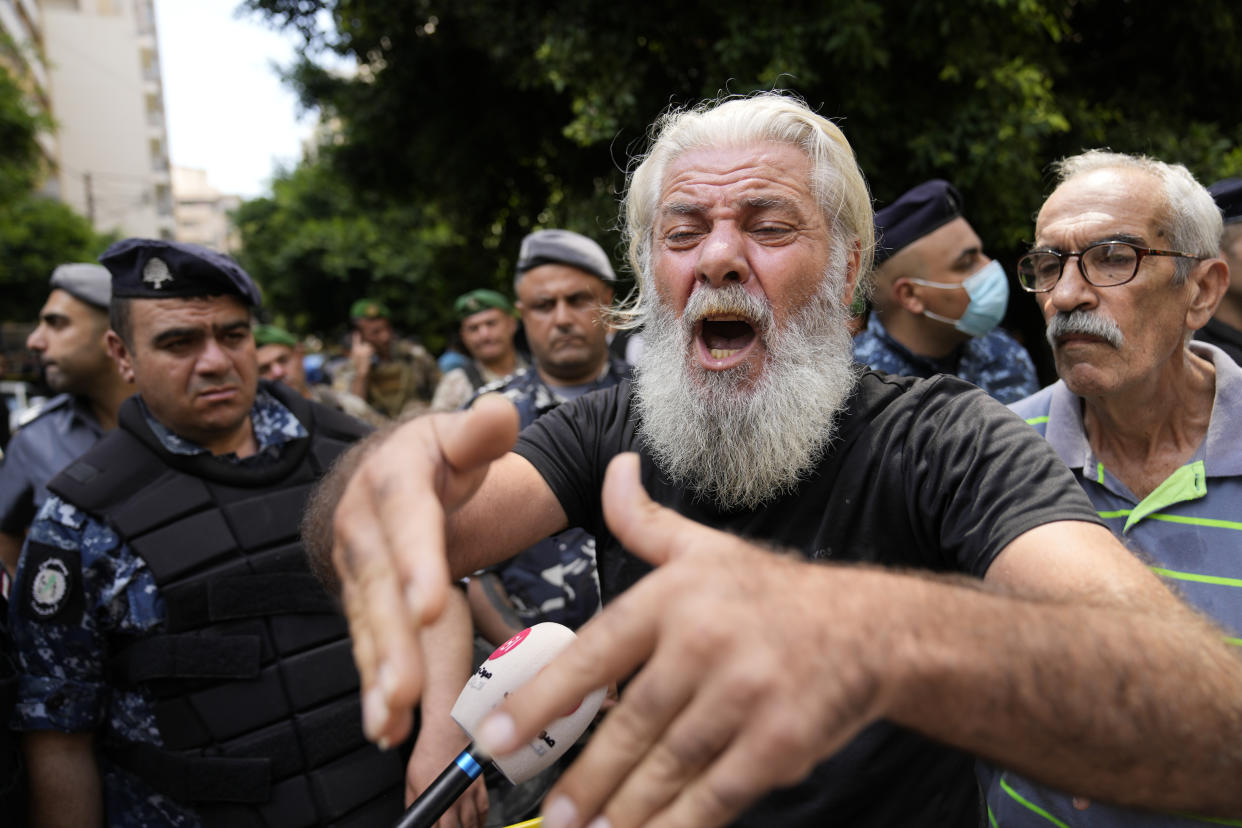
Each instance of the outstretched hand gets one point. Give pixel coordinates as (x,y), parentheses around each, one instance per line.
(389,547)
(727,638)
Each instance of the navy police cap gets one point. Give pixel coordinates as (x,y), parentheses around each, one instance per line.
(1228,196)
(159,269)
(916,212)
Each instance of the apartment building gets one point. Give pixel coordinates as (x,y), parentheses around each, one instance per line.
(107,99)
(202,212)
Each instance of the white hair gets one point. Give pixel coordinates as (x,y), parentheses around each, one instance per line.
(1189,217)
(836,180)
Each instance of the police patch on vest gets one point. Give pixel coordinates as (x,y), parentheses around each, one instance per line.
(52,588)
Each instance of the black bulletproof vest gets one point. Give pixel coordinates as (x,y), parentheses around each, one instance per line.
(255,690)
(12,769)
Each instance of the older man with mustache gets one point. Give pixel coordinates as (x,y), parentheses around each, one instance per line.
(1125,269)
(951,590)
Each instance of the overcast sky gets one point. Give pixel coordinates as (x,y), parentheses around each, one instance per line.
(228,112)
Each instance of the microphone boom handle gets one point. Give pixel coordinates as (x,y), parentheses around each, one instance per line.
(442,793)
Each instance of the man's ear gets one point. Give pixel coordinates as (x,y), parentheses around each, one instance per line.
(120,355)
(852,267)
(1208,281)
(903,292)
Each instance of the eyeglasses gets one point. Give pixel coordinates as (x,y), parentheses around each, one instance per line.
(1103,264)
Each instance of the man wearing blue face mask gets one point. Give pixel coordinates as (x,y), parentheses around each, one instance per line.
(939,298)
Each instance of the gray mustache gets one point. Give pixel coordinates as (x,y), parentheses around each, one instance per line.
(1084,322)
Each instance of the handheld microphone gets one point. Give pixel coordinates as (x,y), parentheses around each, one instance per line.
(509,666)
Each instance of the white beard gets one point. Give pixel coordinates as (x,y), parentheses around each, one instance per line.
(741,447)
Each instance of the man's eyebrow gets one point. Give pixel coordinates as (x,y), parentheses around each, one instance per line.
(686,208)
(175,333)
(764,202)
(968,254)
(53,317)
(682,208)
(232,326)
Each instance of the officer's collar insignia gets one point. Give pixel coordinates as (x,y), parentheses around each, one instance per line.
(50,587)
(155,272)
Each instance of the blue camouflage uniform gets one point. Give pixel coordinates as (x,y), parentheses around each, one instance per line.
(1188,529)
(64,428)
(994,362)
(554,580)
(64,667)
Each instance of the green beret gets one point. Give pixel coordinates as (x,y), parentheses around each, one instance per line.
(272,335)
(482,299)
(368,309)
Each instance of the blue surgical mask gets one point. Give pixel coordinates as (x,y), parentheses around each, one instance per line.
(988,289)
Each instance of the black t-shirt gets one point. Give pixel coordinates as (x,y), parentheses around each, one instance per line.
(928,474)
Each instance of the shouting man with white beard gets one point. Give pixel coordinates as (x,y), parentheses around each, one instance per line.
(948,591)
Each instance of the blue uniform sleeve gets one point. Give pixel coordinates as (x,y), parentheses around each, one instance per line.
(56,605)
(16,486)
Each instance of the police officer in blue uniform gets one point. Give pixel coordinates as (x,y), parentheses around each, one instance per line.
(564,282)
(179,663)
(939,298)
(70,344)
(1224,329)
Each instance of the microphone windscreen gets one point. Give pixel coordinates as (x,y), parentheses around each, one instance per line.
(511,665)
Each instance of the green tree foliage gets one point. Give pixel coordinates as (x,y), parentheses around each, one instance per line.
(36,233)
(316,245)
(496,117)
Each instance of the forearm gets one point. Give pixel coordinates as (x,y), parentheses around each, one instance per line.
(65,790)
(511,509)
(449,644)
(316,526)
(1095,700)
(358,381)
(491,610)
(10,551)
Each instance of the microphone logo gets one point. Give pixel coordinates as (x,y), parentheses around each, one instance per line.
(509,645)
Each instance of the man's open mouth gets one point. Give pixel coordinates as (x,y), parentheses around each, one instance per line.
(725,335)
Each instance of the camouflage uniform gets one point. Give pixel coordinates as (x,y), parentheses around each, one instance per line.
(347,403)
(400,386)
(994,362)
(554,580)
(459,385)
(64,661)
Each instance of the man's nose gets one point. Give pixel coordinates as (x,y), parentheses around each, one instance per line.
(213,359)
(1072,290)
(562,315)
(722,257)
(37,341)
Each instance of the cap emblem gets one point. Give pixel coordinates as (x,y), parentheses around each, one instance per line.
(155,272)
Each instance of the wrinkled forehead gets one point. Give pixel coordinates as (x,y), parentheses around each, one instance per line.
(153,316)
(1094,205)
(778,166)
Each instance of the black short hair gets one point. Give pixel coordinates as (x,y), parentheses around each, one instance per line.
(119,318)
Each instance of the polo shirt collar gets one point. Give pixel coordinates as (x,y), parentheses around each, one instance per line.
(1221,451)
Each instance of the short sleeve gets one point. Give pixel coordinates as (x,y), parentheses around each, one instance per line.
(984,474)
(572,445)
(16,488)
(60,649)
